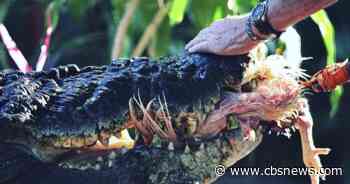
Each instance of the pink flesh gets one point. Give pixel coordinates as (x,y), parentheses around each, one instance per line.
(231,104)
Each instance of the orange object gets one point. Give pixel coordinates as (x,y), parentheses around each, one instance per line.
(329,78)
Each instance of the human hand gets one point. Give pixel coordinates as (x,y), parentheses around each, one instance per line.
(223,37)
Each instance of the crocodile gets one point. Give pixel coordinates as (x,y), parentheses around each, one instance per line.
(189,113)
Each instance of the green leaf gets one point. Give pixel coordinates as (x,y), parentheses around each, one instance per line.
(335,99)
(79,8)
(177,11)
(3,9)
(218,13)
(162,40)
(327,32)
(53,12)
(204,12)
(241,6)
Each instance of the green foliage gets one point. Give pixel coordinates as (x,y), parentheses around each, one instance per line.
(4,4)
(177,11)
(327,32)
(204,12)
(78,8)
(53,12)
(241,6)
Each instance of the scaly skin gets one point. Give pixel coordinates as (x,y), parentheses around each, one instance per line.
(57,117)
(67,103)
(142,164)
(52,114)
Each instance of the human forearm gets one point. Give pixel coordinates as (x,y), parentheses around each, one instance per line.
(283,13)
(238,35)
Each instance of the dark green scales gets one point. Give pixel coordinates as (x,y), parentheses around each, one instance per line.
(66,101)
(72,102)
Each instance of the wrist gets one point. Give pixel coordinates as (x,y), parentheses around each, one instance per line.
(258,25)
(254,31)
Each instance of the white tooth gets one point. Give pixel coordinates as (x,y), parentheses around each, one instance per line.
(84,167)
(171,146)
(187,149)
(112,155)
(99,159)
(279,124)
(97,167)
(293,128)
(88,165)
(110,163)
(201,147)
(288,135)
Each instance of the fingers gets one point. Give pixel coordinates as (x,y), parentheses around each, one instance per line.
(197,40)
(200,47)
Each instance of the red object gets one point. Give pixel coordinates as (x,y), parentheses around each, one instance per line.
(329,78)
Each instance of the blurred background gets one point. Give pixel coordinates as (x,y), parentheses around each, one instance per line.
(91,32)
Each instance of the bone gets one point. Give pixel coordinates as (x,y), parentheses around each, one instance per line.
(167,119)
(141,126)
(148,120)
(311,154)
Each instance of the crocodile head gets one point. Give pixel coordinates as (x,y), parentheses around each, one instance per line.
(208,117)
(67,109)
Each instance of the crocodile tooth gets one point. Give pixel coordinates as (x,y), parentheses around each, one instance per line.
(99,159)
(110,163)
(112,155)
(187,149)
(67,142)
(97,167)
(293,128)
(201,147)
(171,146)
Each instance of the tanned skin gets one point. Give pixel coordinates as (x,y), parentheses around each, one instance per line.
(228,36)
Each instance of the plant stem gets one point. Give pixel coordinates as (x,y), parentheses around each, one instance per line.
(150,30)
(123,27)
